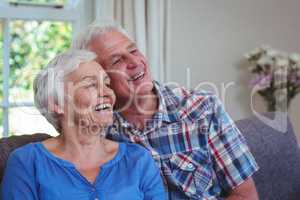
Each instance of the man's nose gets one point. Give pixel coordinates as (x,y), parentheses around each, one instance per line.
(133,61)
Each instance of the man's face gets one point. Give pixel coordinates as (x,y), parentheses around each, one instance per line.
(124,63)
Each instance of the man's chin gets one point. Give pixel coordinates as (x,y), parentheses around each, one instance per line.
(146,88)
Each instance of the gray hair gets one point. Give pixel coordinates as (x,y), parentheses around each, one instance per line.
(49,83)
(94,30)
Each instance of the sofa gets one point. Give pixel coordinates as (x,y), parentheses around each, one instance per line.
(277,154)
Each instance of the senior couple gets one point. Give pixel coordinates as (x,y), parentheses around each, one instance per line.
(159,143)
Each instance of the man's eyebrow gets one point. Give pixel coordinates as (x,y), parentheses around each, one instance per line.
(131,46)
(114,56)
(111,58)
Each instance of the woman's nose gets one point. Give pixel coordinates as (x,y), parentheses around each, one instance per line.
(105,91)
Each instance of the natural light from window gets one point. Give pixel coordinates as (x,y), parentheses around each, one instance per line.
(32,32)
(50,2)
(33,44)
(1,77)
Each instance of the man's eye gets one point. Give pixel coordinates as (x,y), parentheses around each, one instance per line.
(133,51)
(116,61)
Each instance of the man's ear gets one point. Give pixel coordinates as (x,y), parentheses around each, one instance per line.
(54,107)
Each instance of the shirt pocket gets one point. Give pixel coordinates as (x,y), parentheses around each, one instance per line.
(193,172)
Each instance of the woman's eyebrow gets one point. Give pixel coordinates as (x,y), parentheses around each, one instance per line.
(88,77)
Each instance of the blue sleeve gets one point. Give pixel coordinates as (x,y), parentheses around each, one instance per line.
(151,183)
(18,181)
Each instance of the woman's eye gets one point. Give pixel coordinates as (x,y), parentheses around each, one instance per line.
(91,85)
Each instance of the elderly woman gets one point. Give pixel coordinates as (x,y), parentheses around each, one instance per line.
(73,94)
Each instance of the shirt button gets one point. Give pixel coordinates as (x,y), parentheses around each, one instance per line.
(190,166)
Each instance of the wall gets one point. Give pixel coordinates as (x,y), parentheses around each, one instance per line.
(210,38)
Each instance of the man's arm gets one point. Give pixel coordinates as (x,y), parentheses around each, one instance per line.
(245,191)
(233,162)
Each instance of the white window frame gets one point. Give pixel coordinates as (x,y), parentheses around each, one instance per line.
(8,12)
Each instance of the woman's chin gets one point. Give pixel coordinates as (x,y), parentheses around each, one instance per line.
(104,118)
(105,123)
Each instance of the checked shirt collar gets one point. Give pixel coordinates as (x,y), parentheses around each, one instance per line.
(166,112)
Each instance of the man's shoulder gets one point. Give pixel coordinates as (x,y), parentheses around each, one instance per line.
(184,94)
(189,103)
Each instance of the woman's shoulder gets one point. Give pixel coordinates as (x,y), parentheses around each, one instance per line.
(25,149)
(136,150)
(24,154)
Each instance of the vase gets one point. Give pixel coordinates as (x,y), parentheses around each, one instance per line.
(280,101)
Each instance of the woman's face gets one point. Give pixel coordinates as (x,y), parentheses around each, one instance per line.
(88,99)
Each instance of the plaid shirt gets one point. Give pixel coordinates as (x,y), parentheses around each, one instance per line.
(198,148)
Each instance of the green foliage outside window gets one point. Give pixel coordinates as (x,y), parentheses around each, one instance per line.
(33,44)
(1,72)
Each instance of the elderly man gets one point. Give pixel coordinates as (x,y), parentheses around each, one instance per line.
(201,153)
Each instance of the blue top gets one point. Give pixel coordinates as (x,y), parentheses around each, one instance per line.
(32,172)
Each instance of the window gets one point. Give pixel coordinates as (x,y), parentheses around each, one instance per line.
(39,2)
(1,77)
(33,44)
(30,36)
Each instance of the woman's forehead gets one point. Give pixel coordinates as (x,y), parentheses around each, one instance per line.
(89,70)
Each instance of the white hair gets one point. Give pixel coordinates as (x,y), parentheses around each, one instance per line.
(49,83)
(94,30)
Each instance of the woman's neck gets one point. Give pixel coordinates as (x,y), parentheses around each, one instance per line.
(82,148)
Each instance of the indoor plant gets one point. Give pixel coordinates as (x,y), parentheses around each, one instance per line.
(276,76)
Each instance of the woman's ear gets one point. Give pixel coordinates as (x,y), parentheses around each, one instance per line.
(54,107)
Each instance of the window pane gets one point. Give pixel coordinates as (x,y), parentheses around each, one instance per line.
(1,122)
(51,2)
(28,120)
(33,44)
(1,77)
(1,62)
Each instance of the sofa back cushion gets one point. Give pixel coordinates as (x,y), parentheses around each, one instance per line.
(7,145)
(278,156)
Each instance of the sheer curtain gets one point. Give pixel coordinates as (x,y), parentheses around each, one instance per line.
(147,21)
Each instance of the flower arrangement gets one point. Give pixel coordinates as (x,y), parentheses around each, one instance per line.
(276,76)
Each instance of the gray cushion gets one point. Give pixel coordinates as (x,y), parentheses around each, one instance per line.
(7,145)
(278,157)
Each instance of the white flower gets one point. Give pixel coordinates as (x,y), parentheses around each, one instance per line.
(273,53)
(249,55)
(280,76)
(265,48)
(295,58)
(264,61)
(282,63)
